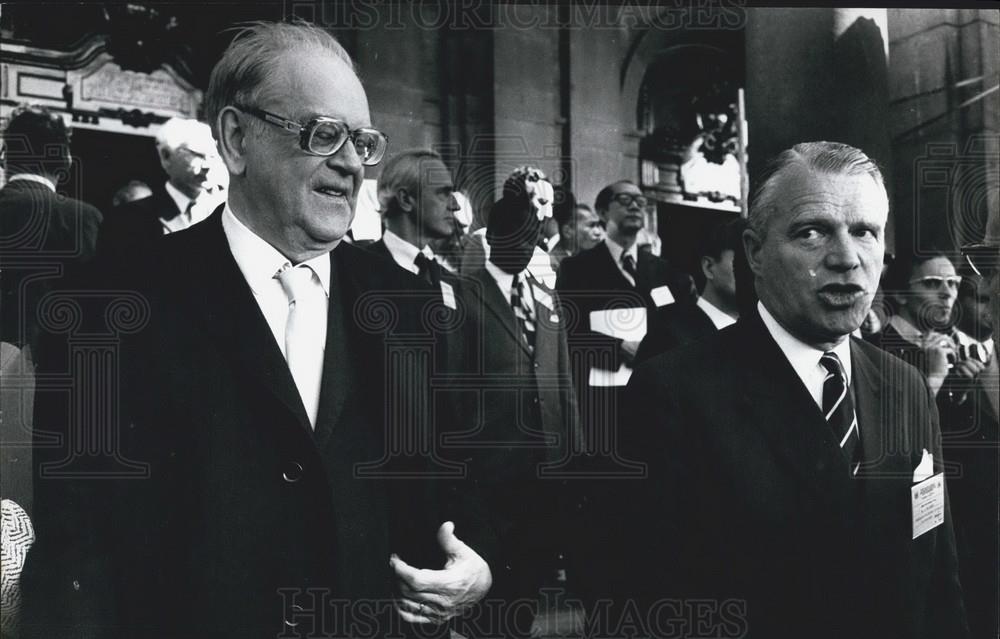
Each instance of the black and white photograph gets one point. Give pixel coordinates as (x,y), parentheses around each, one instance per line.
(469,319)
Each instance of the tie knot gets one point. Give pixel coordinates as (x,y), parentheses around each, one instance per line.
(422,261)
(295,281)
(832,363)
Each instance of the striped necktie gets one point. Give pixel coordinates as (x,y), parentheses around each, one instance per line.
(522,311)
(838,407)
(628,263)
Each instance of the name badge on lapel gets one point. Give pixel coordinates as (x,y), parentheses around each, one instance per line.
(448,295)
(926,496)
(662,296)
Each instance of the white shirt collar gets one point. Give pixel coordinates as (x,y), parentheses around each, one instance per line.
(259,261)
(32,177)
(617,250)
(505,281)
(906,330)
(403,252)
(803,357)
(178,197)
(719,318)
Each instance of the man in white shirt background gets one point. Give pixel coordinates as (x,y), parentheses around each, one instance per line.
(195,185)
(716,307)
(418,205)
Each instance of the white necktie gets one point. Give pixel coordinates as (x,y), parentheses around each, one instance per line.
(305,333)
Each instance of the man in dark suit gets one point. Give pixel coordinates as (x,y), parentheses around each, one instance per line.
(256,470)
(45,235)
(416,198)
(970,427)
(615,274)
(608,293)
(518,406)
(189,195)
(716,308)
(794,473)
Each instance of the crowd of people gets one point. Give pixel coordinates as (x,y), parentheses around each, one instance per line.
(282,431)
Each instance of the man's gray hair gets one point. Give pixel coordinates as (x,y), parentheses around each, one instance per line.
(824,157)
(240,77)
(177,132)
(403,171)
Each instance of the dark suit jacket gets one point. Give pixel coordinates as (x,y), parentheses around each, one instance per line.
(971,436)
(748,498)
(590,281)
(672,326)
(519,420)
(45,236)
(134,226)
(218,508)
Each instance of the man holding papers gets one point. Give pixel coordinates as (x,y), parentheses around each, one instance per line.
(608,292)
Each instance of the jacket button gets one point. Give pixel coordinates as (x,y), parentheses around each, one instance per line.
(292,472)
(296,609)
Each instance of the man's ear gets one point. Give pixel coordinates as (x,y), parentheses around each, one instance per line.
(164,153)
(706,267)
(404,200)
(752,244)
(232,140)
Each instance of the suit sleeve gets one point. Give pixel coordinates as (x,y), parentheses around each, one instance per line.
(67,583)
(945,603)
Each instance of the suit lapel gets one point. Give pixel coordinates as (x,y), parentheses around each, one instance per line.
(346,344)
(222,298)
(607,265)
(784,410)
(496,304)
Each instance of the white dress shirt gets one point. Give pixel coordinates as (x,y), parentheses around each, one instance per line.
(505,282)
(202,208)
(719,318)
(618,251)
(259,262)
(404,253)
(805,358)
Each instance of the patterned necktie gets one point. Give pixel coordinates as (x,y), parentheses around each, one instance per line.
(838,407)
(628,263)
(522,311)
(305,338)
(428,270)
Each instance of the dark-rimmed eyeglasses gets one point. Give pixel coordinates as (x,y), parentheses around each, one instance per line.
(936,282)
(626,199)
(324,136)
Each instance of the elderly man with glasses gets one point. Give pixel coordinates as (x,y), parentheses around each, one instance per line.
(263,470)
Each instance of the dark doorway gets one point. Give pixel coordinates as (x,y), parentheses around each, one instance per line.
(103,162)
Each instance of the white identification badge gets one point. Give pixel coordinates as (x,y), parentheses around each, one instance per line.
(448,295)
(662,296)
(927,500)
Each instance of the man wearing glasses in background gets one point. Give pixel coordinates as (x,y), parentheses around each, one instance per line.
(609,290)
(253,486)
(189,157)
(922,290)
